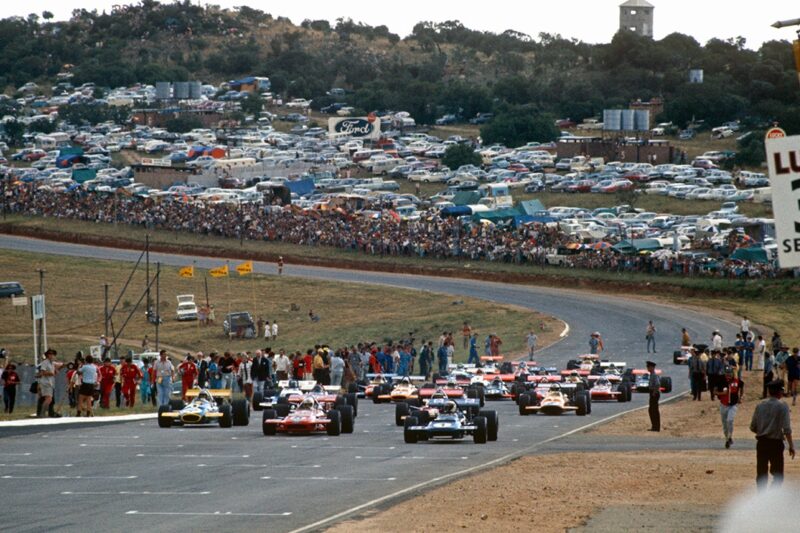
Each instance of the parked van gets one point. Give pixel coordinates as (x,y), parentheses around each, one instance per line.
(762,195)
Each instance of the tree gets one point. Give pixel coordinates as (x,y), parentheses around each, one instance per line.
(14,131)
(518,126)
(252,104)
(460,154)
(183,124)
(41,126)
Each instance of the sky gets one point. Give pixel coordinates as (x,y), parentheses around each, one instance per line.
(592,21)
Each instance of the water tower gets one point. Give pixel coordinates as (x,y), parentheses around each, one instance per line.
(637,16)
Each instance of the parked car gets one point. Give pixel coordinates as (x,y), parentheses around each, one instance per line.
(11,288)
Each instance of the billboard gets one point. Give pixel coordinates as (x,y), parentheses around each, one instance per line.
(358,127)
(783,158)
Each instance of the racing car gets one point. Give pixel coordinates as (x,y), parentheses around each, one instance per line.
(452,419)
(293,392)
(605,388)
(307,417)
(640,380)
(556,399)
(206,406)
(682,356)
(400,392)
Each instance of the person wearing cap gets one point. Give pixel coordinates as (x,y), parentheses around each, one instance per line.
(771,424)
(655,396)
(730,395)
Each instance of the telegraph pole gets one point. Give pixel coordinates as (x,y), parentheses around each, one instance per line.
(158,291)
(105,314)
(42,333)
(147,273)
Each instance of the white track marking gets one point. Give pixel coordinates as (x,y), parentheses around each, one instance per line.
(68,477)
(565,331)
(21,465)
(331,478)
(134,493)
(220,514)
(192,456)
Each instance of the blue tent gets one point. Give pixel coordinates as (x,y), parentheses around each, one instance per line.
(532,207)
(456,211)
(301,187)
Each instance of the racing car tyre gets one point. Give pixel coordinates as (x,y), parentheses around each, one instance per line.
(580,402)
(630,392)
(176,405)
(335,424)
(227,416)
(351,398)
(283,409)
(524,401)
(352,388)
(506,368)
(492,424)
(269,429)
(436,377)
(481,395)
(270,393)
(164,421)
(241,412)
(624,393)
(480,434)
(573,364)
(409,436)
(424,419)
(588,402)
(666,383)
(258,397)
(401,412)
(347,418)
(339,401)
(283,400)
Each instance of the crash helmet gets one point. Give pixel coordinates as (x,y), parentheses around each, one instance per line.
(307,403)
(543,372)
(406,381)
(318,388)
(479,372)
(497,381)
(204,395)
(603,381)
(450,408)
(452,383)
(293,384)
(439,394)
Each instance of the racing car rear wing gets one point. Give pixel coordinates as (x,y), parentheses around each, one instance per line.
(642,371)
(215,393)
(304,385)
(492,358)
(616,364)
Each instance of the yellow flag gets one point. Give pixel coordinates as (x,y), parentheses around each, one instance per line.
(244,268)
(186,272)
(219,272)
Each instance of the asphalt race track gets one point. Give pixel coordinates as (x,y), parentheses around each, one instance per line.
(137,476)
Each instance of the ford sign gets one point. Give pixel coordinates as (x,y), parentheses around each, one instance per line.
(360,127)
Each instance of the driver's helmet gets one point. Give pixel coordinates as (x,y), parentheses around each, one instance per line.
(405,381)
(380,379)
(543,372)
(452,383)
(450,408)
(307,403)
(497,382)
(603,381)
(479,372)
(204,395)
(522,365)
(293,384)
(555,387)
(318,388)
(439,394)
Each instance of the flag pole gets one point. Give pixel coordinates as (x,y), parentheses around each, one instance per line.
(194,268)
(228,272)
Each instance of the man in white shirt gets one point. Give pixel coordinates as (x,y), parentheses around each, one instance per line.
(282,364)
(165,373)
(337,369)
(716,341)
(761,349)
(246,375)
(745,327)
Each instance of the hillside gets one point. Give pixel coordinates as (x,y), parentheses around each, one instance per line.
(439,68)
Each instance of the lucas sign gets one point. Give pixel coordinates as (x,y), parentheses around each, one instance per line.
(783,158)
(359,127)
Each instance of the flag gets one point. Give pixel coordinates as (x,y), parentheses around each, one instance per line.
(186,272)
(219,272)
(245,268)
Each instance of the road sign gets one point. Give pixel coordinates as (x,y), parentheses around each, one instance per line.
(37,306)
(775,133)
(19,301)
(783,158)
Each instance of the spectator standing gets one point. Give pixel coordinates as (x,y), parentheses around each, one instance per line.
(88,373)
(442,357)
(282,366)
(146,385)
(274,329)
(337,369)
(280,264)
(202,370)
(698,369)
(473,350)
(451,350)
(146,344)
(686,340)
(716,341)
(10,380)
(319,366)
(188,371)
(267,331)
(771,424)
(108,376)
(730,396)
(744,328)
(466,334)
(214,374)
(226,369)
(531,339)
(715,370)
(165,374)
(47,381)
(748,347)
(793,373)
(425,358)
(260,326)
(261,372)
(769,372)
(761,349)
(130,376)
(780,362)
(655,396)
(496,343)
(650,336)
(776,342)
(595,343)
(245,377)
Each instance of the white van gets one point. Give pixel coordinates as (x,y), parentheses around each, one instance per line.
(762,195)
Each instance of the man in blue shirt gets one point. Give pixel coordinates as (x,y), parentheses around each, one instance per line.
(442,355)
(473,350)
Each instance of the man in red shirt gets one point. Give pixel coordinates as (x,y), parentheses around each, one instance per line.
(130,375)
(308,365)
(188,372)
(108,375)
(730,396)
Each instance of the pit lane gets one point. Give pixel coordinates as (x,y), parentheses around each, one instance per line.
(136,475)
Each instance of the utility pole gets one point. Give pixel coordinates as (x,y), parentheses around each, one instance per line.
(105,313)
(42,333)
(147,273)
(796,44)
(158,294)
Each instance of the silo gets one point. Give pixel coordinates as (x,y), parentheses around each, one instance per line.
(163,90)
(182,90)
(628,120)
(641,120)
(612,119)
(195,90)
